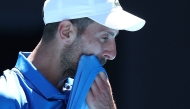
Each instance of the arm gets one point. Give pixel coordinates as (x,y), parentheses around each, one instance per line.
(8,103)
(100,94)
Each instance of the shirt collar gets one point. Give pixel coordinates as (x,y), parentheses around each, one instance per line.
(36,78)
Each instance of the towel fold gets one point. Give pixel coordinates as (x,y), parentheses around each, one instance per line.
(88,69)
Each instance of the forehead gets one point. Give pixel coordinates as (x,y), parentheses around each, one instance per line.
(96,28)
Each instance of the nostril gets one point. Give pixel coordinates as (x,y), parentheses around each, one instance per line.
(107,57)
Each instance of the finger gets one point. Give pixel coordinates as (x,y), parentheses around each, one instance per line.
(103,86)
(98,88)
(103,76)
(90,96)
(101,82)
(95,89)
(110,94)
(108,84)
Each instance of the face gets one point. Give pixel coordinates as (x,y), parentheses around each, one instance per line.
(100,41)
(96,40)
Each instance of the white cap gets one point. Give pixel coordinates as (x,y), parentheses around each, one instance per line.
(106,12)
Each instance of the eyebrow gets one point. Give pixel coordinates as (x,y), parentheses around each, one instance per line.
(112,33)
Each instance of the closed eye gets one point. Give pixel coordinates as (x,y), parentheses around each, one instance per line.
(105,38)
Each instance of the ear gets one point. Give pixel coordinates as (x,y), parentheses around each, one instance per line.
(67,32)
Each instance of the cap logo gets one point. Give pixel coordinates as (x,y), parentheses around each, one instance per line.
(117,3)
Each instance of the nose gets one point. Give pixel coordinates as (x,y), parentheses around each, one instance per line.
(110,51)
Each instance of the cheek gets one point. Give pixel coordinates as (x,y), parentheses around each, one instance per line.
(92,47)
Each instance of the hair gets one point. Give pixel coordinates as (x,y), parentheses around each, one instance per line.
(51,28)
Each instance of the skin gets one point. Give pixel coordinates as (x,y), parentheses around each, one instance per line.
(59,58)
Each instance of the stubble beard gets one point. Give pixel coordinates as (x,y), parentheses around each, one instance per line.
(70,57)
(102,61)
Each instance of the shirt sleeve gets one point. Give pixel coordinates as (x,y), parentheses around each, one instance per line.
(7,85)
(8,103)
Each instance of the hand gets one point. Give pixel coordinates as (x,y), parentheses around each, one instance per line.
(100,94)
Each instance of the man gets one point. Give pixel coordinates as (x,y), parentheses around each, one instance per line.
(73,28)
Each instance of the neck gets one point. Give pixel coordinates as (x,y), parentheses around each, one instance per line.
(44,58)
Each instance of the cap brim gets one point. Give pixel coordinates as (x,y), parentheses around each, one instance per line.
(119,20)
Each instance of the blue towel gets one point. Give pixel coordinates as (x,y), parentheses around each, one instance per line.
(88,69)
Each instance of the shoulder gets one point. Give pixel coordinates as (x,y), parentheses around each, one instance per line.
(10,91)
(9,82)
(8,103)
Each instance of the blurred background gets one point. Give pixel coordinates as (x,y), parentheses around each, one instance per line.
(152,67)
